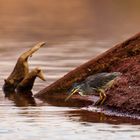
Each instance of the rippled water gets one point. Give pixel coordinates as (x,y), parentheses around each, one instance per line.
(75,32)
(45,121)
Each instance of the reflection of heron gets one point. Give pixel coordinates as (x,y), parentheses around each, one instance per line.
(20,76)
(95,84)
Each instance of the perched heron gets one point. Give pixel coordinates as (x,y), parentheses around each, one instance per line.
(95,85)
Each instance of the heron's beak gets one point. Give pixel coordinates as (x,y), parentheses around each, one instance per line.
(41,76)
(72,92)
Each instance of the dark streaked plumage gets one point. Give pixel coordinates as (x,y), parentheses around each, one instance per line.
(95,84)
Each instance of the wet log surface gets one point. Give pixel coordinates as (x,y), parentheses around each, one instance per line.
(123,96)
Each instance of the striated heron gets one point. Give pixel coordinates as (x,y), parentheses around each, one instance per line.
(95,85)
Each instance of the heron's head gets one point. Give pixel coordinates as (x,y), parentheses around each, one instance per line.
(77,88)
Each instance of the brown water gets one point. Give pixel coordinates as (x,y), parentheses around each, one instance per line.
(76,31)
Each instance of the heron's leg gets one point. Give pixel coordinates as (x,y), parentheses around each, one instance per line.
(103,95)
(101,98)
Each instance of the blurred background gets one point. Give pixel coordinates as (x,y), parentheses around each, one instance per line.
(76,31)
(52,20)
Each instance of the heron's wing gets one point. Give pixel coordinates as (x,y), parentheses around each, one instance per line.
(99,80)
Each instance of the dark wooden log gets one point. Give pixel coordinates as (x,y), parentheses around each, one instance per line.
(114,59)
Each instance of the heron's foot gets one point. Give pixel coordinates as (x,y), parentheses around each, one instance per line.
(102,97)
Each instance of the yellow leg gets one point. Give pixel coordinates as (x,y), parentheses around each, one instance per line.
(102,97)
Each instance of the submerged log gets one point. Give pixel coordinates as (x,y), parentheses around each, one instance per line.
(124,96)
